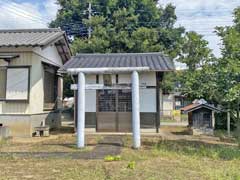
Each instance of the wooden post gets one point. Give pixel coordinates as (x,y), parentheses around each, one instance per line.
(75,109)
(161,106)
(157,104)
(59,91)
(159,100)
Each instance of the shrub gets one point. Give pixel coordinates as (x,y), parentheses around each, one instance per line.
(131,165)
(112,158)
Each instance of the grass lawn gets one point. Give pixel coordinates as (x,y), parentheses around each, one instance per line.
(157,159)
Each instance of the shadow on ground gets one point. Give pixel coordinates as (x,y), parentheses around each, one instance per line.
(109,145)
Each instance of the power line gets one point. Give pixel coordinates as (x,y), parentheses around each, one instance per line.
(41,20)
(159,22)
(176,9)
(28,18)
(25,15)
(80,26)
(18,7)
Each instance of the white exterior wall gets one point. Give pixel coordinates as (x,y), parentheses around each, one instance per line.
(36,95)
(37,86)
(90,79)
(49,55)
(168,104)
(33,58)
(18,107)
(148,78)
(91,95)
(90,102)
(147,96)
(124,78)
(101,78)
(147,100)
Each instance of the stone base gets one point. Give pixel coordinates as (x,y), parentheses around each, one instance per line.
(22,125)
(42,131)
(202,131)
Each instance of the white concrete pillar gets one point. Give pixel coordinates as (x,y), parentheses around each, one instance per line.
(135,110)
(81,111)
(213,119)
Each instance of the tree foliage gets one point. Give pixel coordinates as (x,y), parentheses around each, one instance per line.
(144,26)
(214,79)
(195,51)
(121,26)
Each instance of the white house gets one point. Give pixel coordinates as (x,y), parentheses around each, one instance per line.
(118,92)
(30,88)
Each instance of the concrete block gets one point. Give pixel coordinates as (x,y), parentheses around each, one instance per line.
(42,131)
(202,131)
(46,133)
(5,132)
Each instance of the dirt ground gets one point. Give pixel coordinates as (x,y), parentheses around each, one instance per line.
(171,155)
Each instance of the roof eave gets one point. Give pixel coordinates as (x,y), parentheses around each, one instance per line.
(200,106)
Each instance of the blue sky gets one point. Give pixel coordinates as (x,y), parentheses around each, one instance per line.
(198,15)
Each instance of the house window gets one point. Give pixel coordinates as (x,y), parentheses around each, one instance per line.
(14,83)
(50,88)
(107,79)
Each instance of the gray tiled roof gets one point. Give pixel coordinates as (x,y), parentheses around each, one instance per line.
(29,37)
(155,61)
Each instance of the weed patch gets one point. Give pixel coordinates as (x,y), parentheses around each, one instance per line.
(112,158)
(199,149)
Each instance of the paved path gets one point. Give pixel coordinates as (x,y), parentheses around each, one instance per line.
(110,145)
(181,124)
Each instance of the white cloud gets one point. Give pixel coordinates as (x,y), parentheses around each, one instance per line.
(26,15)
(51,8)
(198,15)
(203,16)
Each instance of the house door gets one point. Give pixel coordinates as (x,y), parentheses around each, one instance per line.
(114,109)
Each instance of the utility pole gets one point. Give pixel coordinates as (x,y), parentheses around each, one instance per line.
(89,18)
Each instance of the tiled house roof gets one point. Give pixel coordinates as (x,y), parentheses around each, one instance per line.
(29,37)
(155,61)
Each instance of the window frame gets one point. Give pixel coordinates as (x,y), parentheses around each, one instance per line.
(55,69)
(28,88)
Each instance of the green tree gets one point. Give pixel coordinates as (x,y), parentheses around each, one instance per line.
(215,79)
(199,59)
(121,26)
(195,51)
(230,64)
